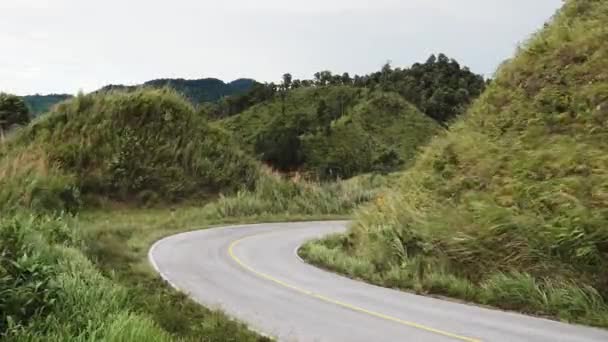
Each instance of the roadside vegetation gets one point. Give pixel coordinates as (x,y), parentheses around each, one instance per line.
(509,207)
(52,291)
(275,195)
(74,231)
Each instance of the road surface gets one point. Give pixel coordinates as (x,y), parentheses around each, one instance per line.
(253,273)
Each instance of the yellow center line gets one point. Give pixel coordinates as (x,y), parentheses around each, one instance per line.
(337,302)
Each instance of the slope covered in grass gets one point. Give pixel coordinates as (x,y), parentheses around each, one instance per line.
(510,207)
(51,292)
(333,131)
(147,145)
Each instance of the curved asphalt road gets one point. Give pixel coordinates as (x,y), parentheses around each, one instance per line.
(253,273)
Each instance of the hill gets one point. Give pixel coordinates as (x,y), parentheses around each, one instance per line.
(333,131)
(509,207)
(439,87)
(196,91)
(39,104)
(145,145)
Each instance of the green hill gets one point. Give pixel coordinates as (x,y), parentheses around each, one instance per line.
(440,87)
(145,145)
(333,131)
(509,207)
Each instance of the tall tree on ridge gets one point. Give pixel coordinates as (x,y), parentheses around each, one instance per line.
(13,111)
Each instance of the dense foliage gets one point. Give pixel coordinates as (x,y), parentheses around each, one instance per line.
(39,104)
(13,111)
(509,207)
(439,87)
(50,291)
(333,131)
(339,126)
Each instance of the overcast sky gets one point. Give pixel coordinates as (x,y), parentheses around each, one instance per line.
(70,45)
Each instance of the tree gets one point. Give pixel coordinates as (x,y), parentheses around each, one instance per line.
(440,87)
(346,80)
(287,78)
(13,111)
(296,84)
(323,78)
(324,116)
(442,59)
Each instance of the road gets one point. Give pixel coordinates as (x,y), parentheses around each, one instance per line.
(252,272)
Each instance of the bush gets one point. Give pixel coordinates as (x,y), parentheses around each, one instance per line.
(26,275)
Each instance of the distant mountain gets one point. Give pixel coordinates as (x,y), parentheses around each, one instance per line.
(197,91)
(39,104)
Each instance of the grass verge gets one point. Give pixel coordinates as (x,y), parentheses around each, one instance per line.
(555,298)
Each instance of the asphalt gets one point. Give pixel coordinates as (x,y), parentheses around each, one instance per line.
(253,273)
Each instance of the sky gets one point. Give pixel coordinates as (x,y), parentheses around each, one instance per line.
(66,46)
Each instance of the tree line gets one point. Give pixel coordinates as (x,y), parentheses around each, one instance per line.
(439,87)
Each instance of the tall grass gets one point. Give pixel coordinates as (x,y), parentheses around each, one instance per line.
(566,300)
(49,291)
(277,195)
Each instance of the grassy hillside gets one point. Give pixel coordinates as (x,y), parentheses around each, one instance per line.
(508,208)
(143,146)
(333,131)
(51,291)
